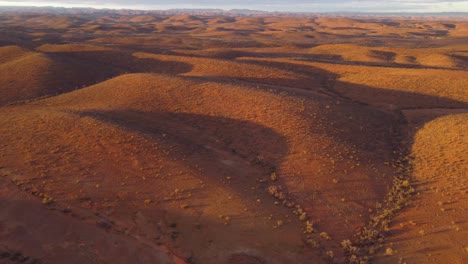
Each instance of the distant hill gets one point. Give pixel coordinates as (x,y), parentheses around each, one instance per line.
(247,11)
(217,11)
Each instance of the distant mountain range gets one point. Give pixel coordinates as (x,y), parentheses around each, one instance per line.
(209,11)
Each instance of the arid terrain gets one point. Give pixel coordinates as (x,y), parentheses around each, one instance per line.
(129,138)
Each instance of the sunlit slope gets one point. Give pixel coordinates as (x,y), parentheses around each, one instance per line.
(184,65)
(428,57)
(389,87)
(434,229)
(153,137)
(26,75)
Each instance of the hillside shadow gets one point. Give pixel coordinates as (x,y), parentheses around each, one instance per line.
(73,70)
(229,146)
(234,54)
(338,59)
(243,149)
(376,112)
(200,135)
(388,99)
(393,132)
(385,99)
(126,62)
(218,146)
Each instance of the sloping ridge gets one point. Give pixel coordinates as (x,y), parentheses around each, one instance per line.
(204,125)
(417,57)
(26,75)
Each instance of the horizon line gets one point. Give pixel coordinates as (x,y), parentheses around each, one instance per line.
(230,10)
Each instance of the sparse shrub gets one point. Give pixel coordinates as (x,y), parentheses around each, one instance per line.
(47,200)
(273,176)
(389,252)
(325,235)
(279,223)
(348,247)
(303,216)
(368,236)
(313,243)
(309,227)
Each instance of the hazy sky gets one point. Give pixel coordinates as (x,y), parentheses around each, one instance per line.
(269,5)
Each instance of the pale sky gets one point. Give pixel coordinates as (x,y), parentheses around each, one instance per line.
(267,5)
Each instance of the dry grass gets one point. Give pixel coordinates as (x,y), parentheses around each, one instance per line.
(239,138)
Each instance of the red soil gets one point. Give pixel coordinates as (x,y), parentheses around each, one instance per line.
(193,139)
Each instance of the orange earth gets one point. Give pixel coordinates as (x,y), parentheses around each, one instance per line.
(237,140)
